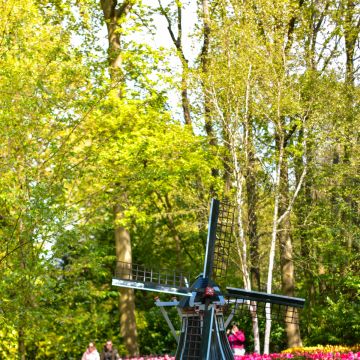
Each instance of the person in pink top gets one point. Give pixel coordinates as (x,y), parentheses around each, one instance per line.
(236,339)
(91,353)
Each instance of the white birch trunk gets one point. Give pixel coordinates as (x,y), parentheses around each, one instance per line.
(252,305)
(241,243)
(233,129)
(276,221)
(272,250)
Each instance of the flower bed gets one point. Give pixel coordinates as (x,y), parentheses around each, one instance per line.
(319,355)
(319,352)
(151,357)
(327,352)
(325,349)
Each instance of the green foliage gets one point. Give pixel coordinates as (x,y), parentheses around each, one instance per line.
(154,333)
(72,144)
(335,318)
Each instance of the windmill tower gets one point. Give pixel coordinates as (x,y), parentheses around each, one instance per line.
(202,305)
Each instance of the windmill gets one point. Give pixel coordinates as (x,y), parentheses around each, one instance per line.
(203,305)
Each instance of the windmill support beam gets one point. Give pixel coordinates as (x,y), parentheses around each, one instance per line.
(166,303)
(232,313)
(166,317)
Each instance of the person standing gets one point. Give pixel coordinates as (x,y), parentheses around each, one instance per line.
(236,340)
(109,353)
(91,353)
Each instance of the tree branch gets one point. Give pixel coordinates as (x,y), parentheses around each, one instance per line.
(287,211)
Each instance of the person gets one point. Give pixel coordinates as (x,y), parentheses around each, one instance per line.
(109,353)
(91,353)
(236,339)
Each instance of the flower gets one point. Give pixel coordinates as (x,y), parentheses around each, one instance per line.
(310,353)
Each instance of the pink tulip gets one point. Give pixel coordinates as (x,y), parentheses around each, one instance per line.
(318,355)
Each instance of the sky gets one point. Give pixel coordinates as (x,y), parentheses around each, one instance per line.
(162,37)
(190,47)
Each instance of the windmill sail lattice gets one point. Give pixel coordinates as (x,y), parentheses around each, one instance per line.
(203,304)
(225,231)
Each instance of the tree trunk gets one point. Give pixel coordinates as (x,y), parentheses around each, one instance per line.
(250,181)
(281,191)
(236,138)
(252,198)
(177,41)
(286,254)
(306,202)
(204,60)
(241,241)
(204,67)
(351,34)
(114,15)
(126,297)
(234,135)
(23,294)
(21,345)
(184,94)
(273,249)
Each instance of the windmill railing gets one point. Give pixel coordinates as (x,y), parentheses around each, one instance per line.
(140,273)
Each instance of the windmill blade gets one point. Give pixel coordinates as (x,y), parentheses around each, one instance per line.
(190,338)
(135,276)
(265,297)
(211,238)
(257,305)
(149,287)
(225,231)
(207,332)
(222,339)
(219,240)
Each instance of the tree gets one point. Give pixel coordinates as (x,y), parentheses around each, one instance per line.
(177,39)
(39,108)
(115,15)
